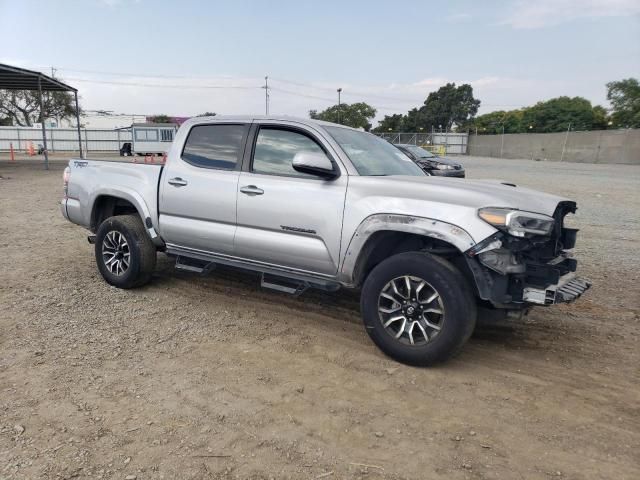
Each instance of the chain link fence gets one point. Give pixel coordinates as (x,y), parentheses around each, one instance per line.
(443,143)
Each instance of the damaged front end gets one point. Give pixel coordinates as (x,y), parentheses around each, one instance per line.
(527,262)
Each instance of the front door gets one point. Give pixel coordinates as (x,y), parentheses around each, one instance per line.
(286,218)
(199,188)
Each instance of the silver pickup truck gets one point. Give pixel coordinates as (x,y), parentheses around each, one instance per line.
(315,204)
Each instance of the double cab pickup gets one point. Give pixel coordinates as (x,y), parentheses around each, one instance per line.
(313,204)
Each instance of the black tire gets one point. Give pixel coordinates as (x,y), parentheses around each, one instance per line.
(141,251)
(458,306)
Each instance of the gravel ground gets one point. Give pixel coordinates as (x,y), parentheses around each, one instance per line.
(211,377)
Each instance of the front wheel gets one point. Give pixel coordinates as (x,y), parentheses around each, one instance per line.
(418,308)
(125,255)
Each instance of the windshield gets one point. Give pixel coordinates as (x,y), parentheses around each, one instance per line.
(419,152)
(372,156)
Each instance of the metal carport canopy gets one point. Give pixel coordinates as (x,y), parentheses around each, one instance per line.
(15,78)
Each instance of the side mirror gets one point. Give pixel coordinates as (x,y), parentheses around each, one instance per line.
(314,163)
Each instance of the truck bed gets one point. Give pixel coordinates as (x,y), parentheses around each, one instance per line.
(91,179)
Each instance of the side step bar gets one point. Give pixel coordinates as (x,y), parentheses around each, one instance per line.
(284,285)
(283,281)
(193,265)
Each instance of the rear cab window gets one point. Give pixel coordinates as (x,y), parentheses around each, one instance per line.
(215,146)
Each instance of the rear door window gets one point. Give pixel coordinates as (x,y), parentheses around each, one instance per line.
(215,146)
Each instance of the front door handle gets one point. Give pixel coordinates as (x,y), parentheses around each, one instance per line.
(251,190)
(177,182)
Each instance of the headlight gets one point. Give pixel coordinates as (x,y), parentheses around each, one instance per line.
(516,222)
(439,166)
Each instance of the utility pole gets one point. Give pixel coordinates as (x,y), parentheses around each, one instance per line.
(502,142)
(339,107)
(266,95)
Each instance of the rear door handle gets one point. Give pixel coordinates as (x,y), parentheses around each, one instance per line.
(251,190)
(177,182)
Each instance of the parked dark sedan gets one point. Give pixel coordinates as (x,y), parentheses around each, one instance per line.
(432,164)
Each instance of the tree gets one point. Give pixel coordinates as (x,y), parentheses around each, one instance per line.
(554,115)
(160,119)
(22,107)
(557,114)
(492,123)
(600,118)
(448,106)
(356,115)
(390,123)
(207,114)
(414,120)
(5,122)
(624,96)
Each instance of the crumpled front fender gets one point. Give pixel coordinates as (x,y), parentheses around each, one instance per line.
(427,227)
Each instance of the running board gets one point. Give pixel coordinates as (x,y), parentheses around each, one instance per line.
(282,284)
(200,258)
(193,265)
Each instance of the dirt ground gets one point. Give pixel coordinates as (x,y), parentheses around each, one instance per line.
(211,377)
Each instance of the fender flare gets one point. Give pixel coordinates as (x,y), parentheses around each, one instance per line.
(428,227)
(136,200)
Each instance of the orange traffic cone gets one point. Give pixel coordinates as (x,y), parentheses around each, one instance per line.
(31,150)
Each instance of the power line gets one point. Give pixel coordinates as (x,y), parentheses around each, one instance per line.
(127,74)
(155,85)
(331,89)
(348,92)
(332,100)
(305,95)
(351,93)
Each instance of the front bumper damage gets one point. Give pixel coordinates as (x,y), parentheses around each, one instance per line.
(567,290)
(516,273)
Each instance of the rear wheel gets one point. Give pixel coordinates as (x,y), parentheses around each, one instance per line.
(418,308)
(125,255)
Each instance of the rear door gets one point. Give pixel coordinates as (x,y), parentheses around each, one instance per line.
(199,188)
(286,218)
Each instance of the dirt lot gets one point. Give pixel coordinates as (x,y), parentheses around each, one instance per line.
(194,377)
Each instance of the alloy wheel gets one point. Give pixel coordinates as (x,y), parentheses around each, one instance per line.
(115,252)
(411,310)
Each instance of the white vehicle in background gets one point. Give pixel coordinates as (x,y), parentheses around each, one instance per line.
(152,138)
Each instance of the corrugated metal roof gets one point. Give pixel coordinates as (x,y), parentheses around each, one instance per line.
(14,78)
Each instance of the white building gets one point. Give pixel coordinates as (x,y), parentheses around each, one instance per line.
(95,121)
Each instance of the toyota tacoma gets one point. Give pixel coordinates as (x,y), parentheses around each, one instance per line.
(313,204)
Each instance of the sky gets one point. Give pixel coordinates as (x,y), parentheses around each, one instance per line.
(183,58)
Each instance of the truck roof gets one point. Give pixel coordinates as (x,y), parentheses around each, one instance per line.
(247,118)
(154,125)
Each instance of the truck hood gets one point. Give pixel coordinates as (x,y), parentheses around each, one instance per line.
(470,193)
